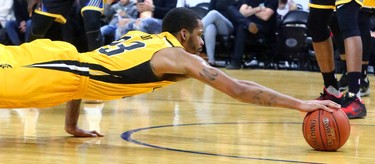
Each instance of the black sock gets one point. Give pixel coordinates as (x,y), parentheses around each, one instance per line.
(330,80)
(343,66)
(354,82)
(91,20)
(364,70)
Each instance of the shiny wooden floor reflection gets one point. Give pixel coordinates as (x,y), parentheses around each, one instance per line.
(187,122)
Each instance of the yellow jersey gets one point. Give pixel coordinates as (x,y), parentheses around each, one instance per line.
(45,73)
(368,4)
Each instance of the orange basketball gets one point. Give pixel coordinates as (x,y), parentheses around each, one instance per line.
(326,131)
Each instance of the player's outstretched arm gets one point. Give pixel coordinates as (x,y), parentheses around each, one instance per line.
(71,121)
(251,92)
(177,62)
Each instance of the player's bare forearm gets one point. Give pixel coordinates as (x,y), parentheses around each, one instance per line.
(247,91)
(251,92)
(244,91)
(262,95)
(72,114)
(71,121)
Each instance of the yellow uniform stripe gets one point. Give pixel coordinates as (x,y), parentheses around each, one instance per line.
(58,18)
(322,6)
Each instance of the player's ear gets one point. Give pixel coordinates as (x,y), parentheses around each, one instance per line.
(184,34)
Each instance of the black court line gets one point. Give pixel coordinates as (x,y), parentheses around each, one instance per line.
(128,137)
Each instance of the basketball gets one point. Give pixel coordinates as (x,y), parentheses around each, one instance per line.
(325,131)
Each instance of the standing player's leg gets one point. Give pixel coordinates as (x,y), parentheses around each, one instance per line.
(323,47)
(364,27)
(347,16)
(43,17)
(39,27)
(91,12)
(339,44)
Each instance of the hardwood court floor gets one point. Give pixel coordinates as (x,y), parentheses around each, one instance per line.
(187,122)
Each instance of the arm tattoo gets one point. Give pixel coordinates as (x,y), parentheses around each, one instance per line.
(208,74)
(272,100)
(258,99)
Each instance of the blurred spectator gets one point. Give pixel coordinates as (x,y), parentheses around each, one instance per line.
(6,14)
(123,10)
(191,3)
(18,29)
(302,4)
(253,20)
(6,11)
(216,23)
(151,13)
(285,6)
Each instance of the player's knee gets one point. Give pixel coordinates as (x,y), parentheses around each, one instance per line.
(347,20)
(318,24)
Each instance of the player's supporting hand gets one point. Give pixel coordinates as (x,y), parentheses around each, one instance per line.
(77,132)
(311,105)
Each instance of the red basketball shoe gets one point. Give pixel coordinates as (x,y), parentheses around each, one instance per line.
(327,96)
(353,106)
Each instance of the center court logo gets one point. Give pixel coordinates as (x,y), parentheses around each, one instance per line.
(4,66)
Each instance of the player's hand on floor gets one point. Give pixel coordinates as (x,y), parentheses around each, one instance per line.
(311,105)
(77,132)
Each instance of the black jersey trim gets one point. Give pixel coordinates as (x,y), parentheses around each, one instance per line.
(141,73)
(169,41)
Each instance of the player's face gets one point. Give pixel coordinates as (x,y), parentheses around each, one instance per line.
(195,41)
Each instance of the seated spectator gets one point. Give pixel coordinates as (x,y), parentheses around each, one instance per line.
(6,11)
(151,13)
(216,23)
(19,29)
(123,11)
(302,4)
(285,6)
(253,20)
(191,3)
